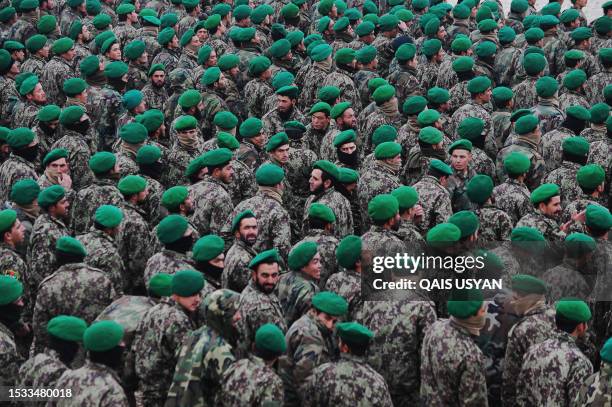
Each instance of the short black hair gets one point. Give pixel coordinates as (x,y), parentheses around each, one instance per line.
(316,223)
(565,324)
(358,349)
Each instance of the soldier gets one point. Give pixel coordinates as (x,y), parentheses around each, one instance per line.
(315,76)
(508,55)
(594,86)
(590,179)
(385,112)
(9,69)
(547,109)
(217,33)
(253,139)
(12,236)
(480,92)
(23,200)
(75,11)
(110,97)
(574,123)
(90,290)
(575,152)
(560,352)
(411,215)
(168,56)
(428,72)
(512,196)
(44,369)
(258,88)
(213,95)
(496,225)
(341,77)
(11,306)
(367,62)
(76,91)
(381,239)
(206,353)
(351,378)
(318,129)
(46,129)
(187,148)
(21,163)
(24,27)
(258,304)
(594,389)
(285,110)
(434,197)
(597,131)
(57,171)
(574,83)
(154,92)
(235,274)
(460,46)
(149,160)
(33,96)
(192,11)
(104,343)
(39,52)
(463,67)
(405,77)
(189,55)
(138,58)
(344,119)
(59,69)
(161,332)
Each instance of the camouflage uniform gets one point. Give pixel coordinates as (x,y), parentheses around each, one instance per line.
(214,103)
(212,205)
(178,161)
(14,169)
(537,169)
(236,271)
(565,178)
(495,224)
(374,121)
(34,64)
(348,382)
(561,355)
(167,57)
(102,253)
(154,97)
(42,370)
(92,384)
(24,114)
(459,96)
(56,71)
(379,180)
(596,132)
(250,155)
(73,289)
(133,241)
(513,198)
(548,112)
(326,247)
(157,341)
(435,200)
(106,121)
(8,97)
(250,382)
(78,158)
(362,77)
(505,59)
(447,78)
(315,139)
(547,226)
(595,85)
(24,28)
(295,290)
(595,391)
(137,77)
(11,264)
(339,205)
(255,93)
(471,109)
(575,206)
(167,261)
(572,98)
(535,326)
(188,60)
(525,95)
(273,122)
(273,222)
(10,358)
(567,280)
(456,185)
(102,191)
(343,80)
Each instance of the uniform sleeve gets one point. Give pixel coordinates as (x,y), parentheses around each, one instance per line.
(578,374)
(472,384)
(308,355)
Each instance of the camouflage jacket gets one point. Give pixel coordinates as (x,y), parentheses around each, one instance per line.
(326,247)
(236,271)
(348,382)
(572,98)
(295,290)
(14,169)
(596,132)
(435,200)
(339,205)
(255,92)
(312,81)
(102,191)
(92,385)
(361,79)
(548,112)
(24,114)
(471,109)
(559,355)
(447,78)
(11,264)
(167,57)
(565,177)
(595,85)
(513,198)
(34,64)
(166,261)
(379,180)
(8,98)
(525,96)
(250,382)
(178,161)
(547,226)
(212,205)
(501,126)
(495,224)
(154,97)
(505,59)
(406,83)
(343,80)
(596,389)
(10,358)
(102,254)
(457,187)
(428,74)
(106,121)
(78,158)
(56,71)
(347,283)
(273,122)
(42,370)
(251,155)
(137,77)
(568,280)
(452,367)
(133,242)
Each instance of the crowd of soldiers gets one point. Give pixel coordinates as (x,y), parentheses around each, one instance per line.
(191,195)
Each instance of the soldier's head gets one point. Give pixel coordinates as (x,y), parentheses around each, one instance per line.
(222,315)
(389,153)
(12,231)
(346,149)
(64,333)
(265,268)
(219,164)
(438,99)
(69,250)
(467,304)
(576,118)
(186,289)
(407,198)
(528,126)
(582,37)
(319,114)
(214,25)
(547,200)
(64,48)
(461,155)
(468,224)
(77,6)
(116,75)
(107,219)
(175,233)
(160,285)
(572,316)
(328,307)
(16,49)
(244,227)
(286,98)
(208,256)
(575,81)
(134,189)
(383,210)
(598,221)
(321,217)
(111,49)
(574,59)
(347,182)
(354,338)
(480,89)
(56,164)
(344,115)
(177,200)
(11,300)
(31,89)
(269,343)
(323,176)
(278,148)
(306,259)
(252,130)
(439,170)
(591,180)
(157,75)
(53,200)
(76,88)
(104,342)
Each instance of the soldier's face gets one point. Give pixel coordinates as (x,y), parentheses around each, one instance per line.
(143,59)
(61,208)
(460,159)
(158,78)
(266,277)
(141,108)
(486,96)
(227,174)
(86,34)
(348,148)
(259,140)
(281,154)
(313,268)
(349,121)
(327,320)
(552,209)
(284,103)
(69,55)
(44,52)
(59,166)
(143,195)
(195,41)
(218,261)
(17,233)
(115,52)
(320,121)
(212,59)
(247,232)
(189,303)
(38,95)
(202,34)
(316,180)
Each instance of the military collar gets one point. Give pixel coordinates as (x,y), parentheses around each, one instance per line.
(571,165)
(245,247)
(23,160)
(349,357)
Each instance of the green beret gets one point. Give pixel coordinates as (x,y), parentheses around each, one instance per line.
(569,15)
(102,336)
(384,133)
(132,98)
(270,338)
(115,69)
(526,124)
(365,28)
(339,109)
(322,212)
(581,33)
(440,166)
(578,112)
(301,255)
(428,117)
(295,37)
(225,120)
(260,12)
(102,37)
(345,56)
(28,85)
(76,28)
(598,217)
(70,245)
(462,144)
(461,12)
(227,140)
(578,245)
(108,216)
(431,27)
(269,175)
(228,61)
(7,220)
(74,86)
(62,45)
(171,228)
(54,155)
(48,113)
(35,43)
(46,24)
(590,176)
(354,333)
(471,128)
(574,79)
(259,64)
(211,75)
(71,115)
(330,302)
(480,188)
(383,207)
(4,132)
(101,21)
(20,137)
(502,94)
(383,94)
(102,162)
(346,136)
(599,113)
(11,46)
(152,119)
(207,248)
(276,141)
(247,214)
(7,13)
(325,6)
(328,94)
(11,289)
(506,35)
(430,135)
(347,175)
(165,36)
(173,197)
(132,184)
(548,21)
(125,8)
(574,310)
(242,34)
(552,8)
(134,50)
(320,107)
(479,84)
(133,133)
(387,149)
(463,64)
(222,9)
(289,91)
(251,127)
(606,351)
(341,24)
(108,43)
(603,25)
(217,157)
(577,146)
(487,25)
(431,47)
(388,22)
(406,196)
(285,78)
(464,303)
(327,167)
(528,284)
(280,48)
(203,54)
(189,98)
(66,327)
(420,4)
(519,6)
(466,221)
(24,192)
(544,192)
(414,105)
(438,95)
(546,86)
(240,12)
(160,285)
(353,14)
(150,20)
(321,52)
(366,54)
(268,256)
